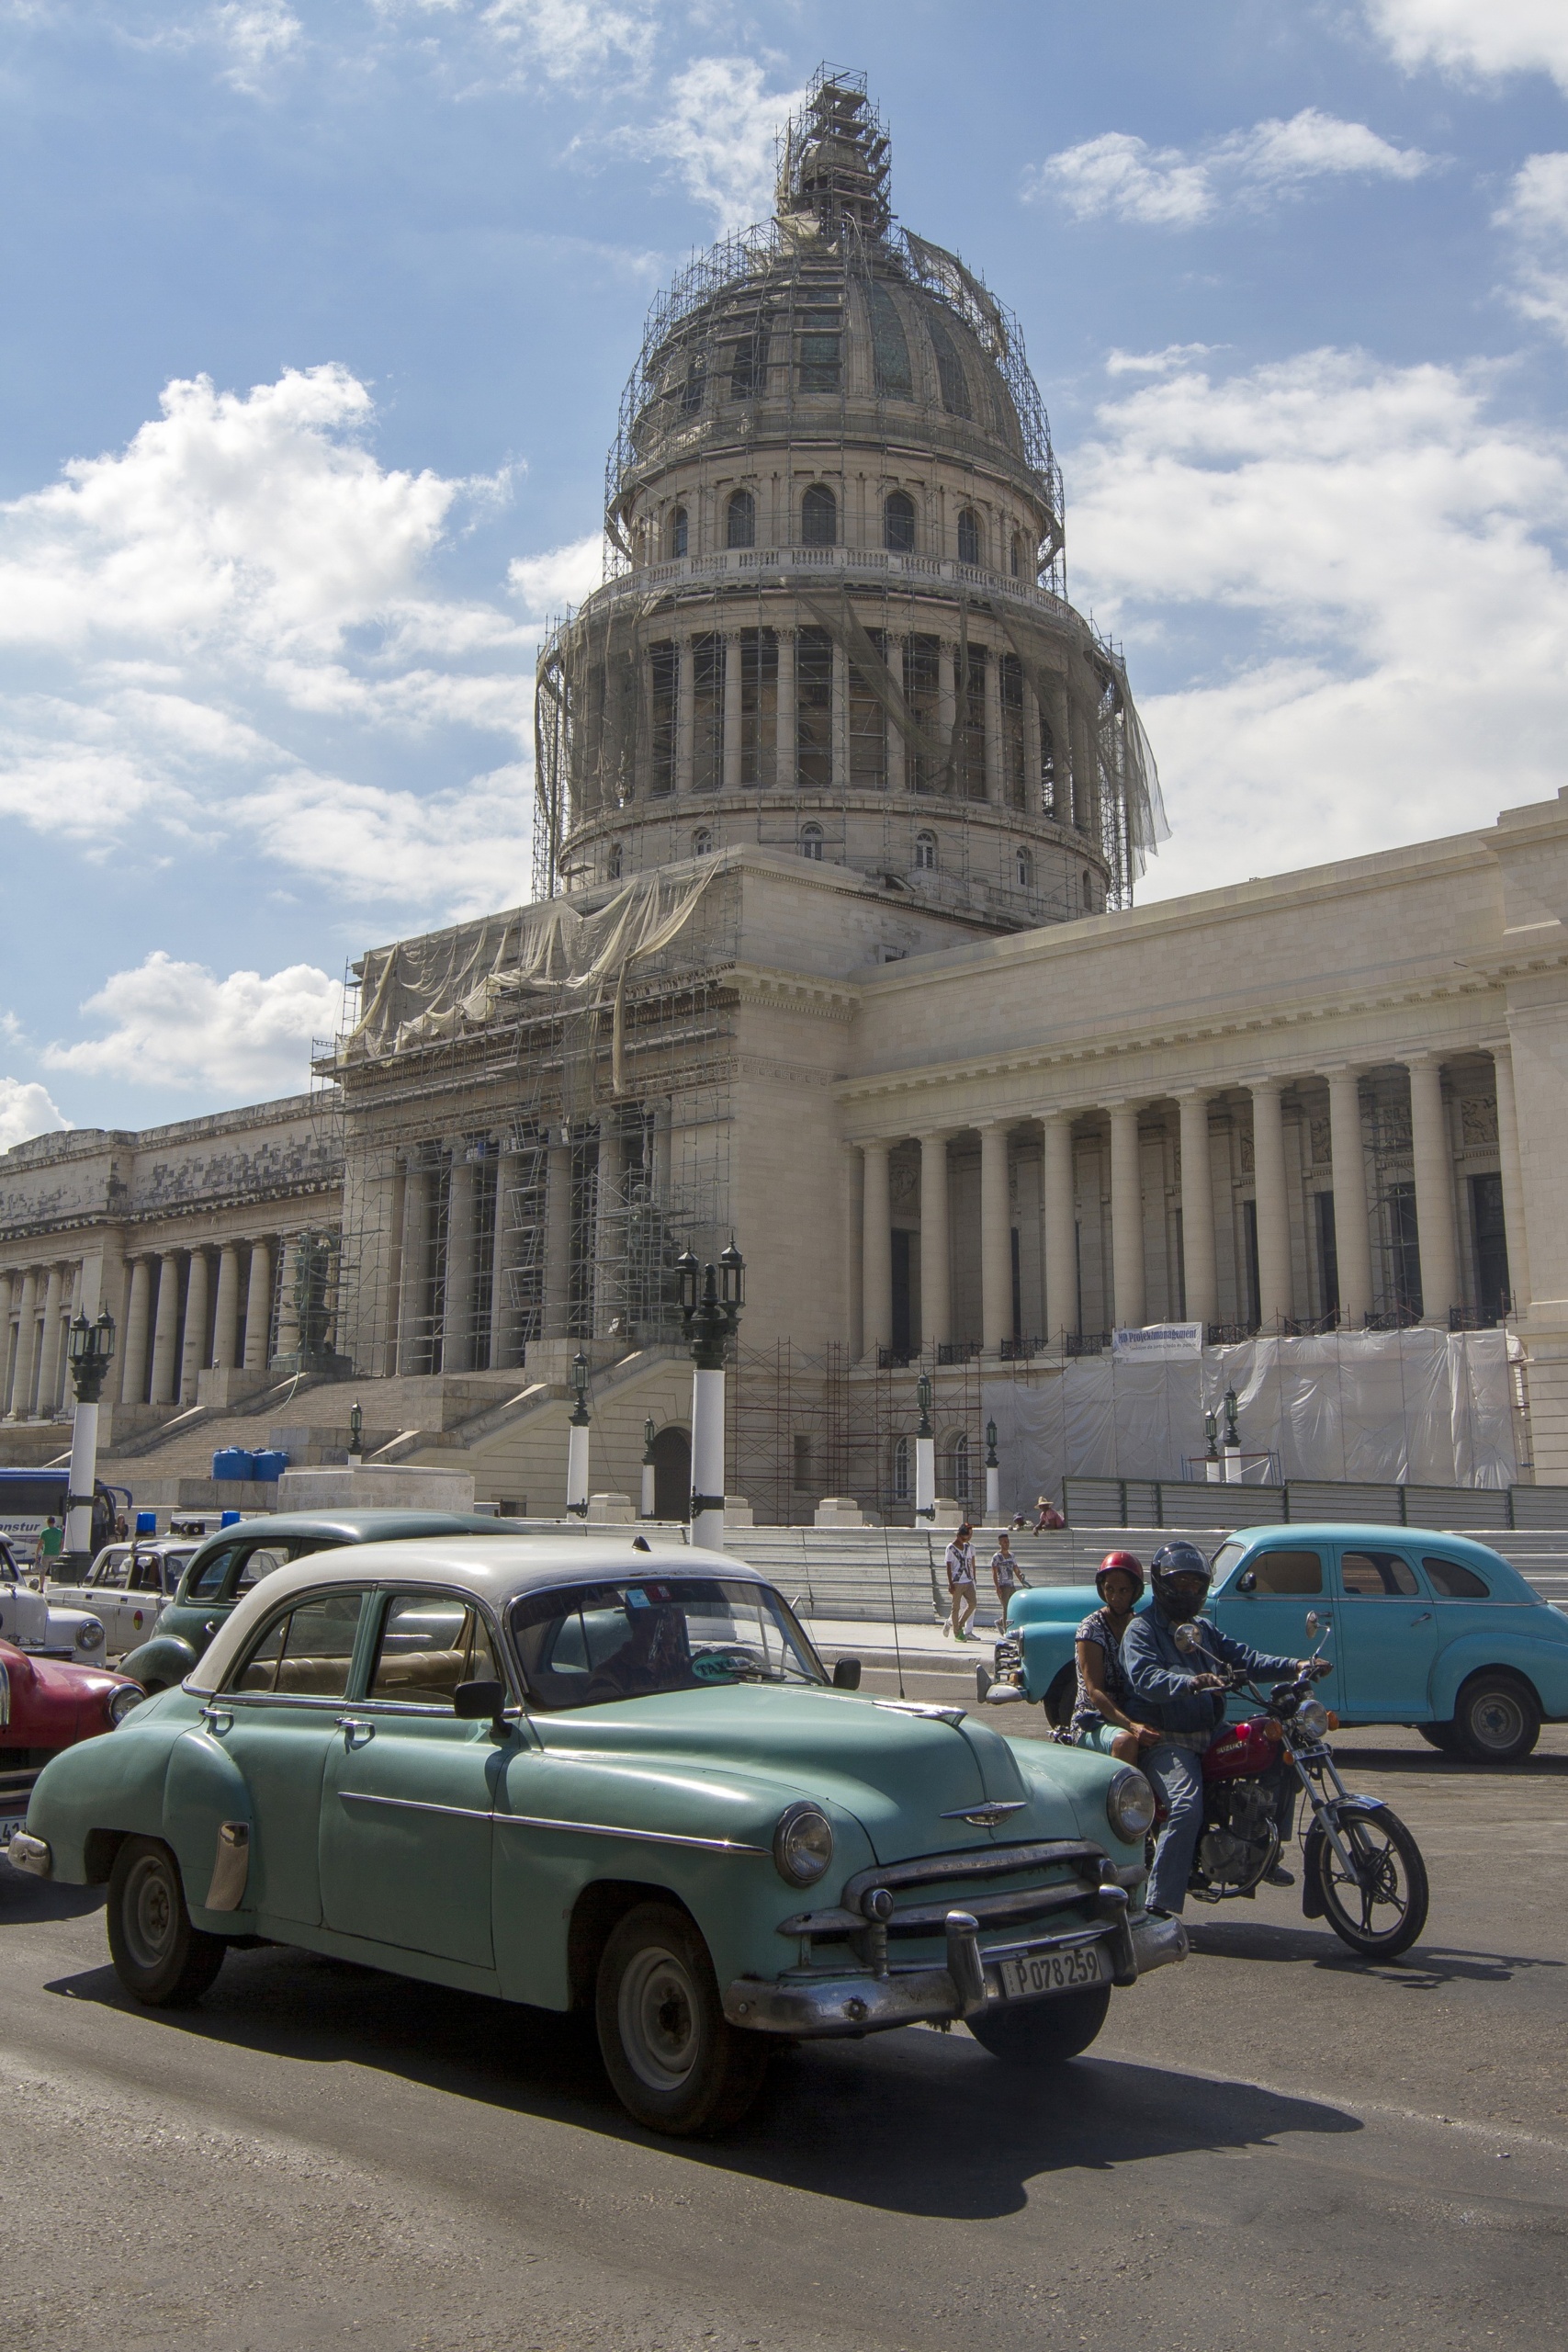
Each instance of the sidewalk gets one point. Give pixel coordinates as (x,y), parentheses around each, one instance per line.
(873,1638)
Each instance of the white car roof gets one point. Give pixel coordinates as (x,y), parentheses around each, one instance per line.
(493,1568)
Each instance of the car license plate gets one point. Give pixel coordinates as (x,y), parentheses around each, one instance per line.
(1053,1972)
(9,1825)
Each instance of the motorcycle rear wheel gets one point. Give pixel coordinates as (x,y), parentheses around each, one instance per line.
(1392,1882)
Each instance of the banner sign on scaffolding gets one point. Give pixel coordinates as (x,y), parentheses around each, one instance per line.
(1158,1342)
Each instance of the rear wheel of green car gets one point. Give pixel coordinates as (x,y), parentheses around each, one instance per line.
(675,2063)
(158,1955)
(1042,2034)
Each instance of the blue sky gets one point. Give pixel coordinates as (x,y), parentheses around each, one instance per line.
(316,318)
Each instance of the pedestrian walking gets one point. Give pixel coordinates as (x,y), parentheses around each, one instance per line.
(1006,1574)
(961,1582)
(50,1545)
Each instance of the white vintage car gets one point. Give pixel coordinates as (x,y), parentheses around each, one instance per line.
(126,1587)
(34,1623)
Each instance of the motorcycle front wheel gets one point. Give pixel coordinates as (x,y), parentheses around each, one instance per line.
(1381,1909)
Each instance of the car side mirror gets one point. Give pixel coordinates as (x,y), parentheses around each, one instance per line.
(846,1674)
(473,1702)
(1248,1580)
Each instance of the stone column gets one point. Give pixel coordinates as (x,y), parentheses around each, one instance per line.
(1273,1213)
(457,1301)
(193,1354)
(1434,1167)
(609,1235)
(996,1240)
(897,749)
(414,1335)
(1062,746)
(1198,1271)
(503,1344)
(876,1253)
(226,1316)
(1352,1233)
(841,718)
(993,724)
(732,711)
(258,1306)
(1086,772)
(786,747)
(1034,753)
(558,1242)
(1513,1178)
(1058,1224)
(287,1299)
(165,1330)
(1129,1295)
(936,1261)
(49,1345)
(27,1348)
(946,696)
(686,715)
(133,1345)
(8,1294)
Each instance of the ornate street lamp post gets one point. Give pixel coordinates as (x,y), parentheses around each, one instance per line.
(90,1350)
(577,1440)
(355,1433)
(711,1300)
(925,1454)
(1212,1460)
(649,1433)
(993,1474)
(1233,1441)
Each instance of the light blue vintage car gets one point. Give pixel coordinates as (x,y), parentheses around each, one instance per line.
(1421,1628)
(586,1774)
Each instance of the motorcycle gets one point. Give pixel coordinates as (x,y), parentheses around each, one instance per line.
(1362,1869)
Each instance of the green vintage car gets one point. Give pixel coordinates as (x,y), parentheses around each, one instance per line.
(585,1774)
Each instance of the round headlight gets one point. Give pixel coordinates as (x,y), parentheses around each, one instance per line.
(803,1844)
(123,1700)
(1311,1717)
(91,1635)
(1130,1805)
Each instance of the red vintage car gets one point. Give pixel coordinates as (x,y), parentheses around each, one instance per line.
(46,1704)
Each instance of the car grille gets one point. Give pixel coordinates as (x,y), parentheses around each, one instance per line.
(1043,1878)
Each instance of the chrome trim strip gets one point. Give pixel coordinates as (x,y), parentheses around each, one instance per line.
(416,1804)
(642,1837)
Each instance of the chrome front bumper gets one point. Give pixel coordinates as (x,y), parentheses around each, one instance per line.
(810,2005)
(24,1853)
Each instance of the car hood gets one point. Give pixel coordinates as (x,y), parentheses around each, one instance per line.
(908,1776)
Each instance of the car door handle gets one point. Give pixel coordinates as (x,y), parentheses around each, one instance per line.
(1423,1617)
(218,1719)
(355,1731)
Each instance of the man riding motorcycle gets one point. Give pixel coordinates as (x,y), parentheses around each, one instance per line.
(1187,1709)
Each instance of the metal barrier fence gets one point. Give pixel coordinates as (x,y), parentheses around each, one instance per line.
(1155,1502)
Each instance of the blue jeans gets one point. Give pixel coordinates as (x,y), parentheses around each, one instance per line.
(1177,1776)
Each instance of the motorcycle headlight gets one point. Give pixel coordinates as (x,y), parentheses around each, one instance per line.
(91,1637)
(123,1700)
(803,1844)
(1311,1718)
(1130,1805)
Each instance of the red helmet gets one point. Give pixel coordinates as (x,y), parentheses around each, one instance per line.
(1127,1562)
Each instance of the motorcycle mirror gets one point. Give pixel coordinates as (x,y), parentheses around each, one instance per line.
(1187,1637)
(1313,1620)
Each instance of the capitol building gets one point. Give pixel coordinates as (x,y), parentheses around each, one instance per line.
(841,809)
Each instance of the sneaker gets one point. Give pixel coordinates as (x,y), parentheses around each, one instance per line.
(1279,1876)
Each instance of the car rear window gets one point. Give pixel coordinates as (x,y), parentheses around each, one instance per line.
(1450,1580)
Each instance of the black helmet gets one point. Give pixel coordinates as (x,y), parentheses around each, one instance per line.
(1174,1560)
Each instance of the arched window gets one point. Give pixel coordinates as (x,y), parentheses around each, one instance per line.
(676,531)
(702,842)
(899,523)
(1025,869)
(1017,558)
(969,537)
(901,1470)
(612,865)
(925,852)
(1087,891)
(740,520)
(819,517)
(811,842)
(957,1454)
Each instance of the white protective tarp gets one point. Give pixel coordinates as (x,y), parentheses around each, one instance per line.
(1419,1408)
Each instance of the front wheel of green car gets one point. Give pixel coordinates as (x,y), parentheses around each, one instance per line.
(157,1954)
(1042,2034)
(676,2064)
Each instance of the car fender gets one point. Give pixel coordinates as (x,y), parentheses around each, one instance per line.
(1543,1664)
(24,1617)
(115,1783)
(204,1790)
(158,1664)
(1047,1648)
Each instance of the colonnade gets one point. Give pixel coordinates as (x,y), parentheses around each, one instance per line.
(1432,1168)
(189,1311)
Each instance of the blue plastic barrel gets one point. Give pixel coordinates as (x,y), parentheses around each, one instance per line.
(234,1462)
(230,1519)
(268,1465)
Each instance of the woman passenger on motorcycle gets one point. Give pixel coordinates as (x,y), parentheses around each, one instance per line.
(1100,1717)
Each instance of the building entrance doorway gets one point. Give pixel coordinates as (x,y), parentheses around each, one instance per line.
(672,1475)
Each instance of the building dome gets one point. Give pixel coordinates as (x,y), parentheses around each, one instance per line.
(836,620)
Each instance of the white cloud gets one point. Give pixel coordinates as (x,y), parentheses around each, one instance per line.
(178,1025)
(205,625)
(1537,214)
(718,134)
(26,1111)
(1121,175)
(1156,363)
(1381,554)
(1484,38)
(544,584)
(576,41)
(256,35)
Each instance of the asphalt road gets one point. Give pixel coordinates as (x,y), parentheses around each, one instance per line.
(1273,2144)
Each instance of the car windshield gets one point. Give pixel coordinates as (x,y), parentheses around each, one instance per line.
(625,1640)
(1226,1559)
